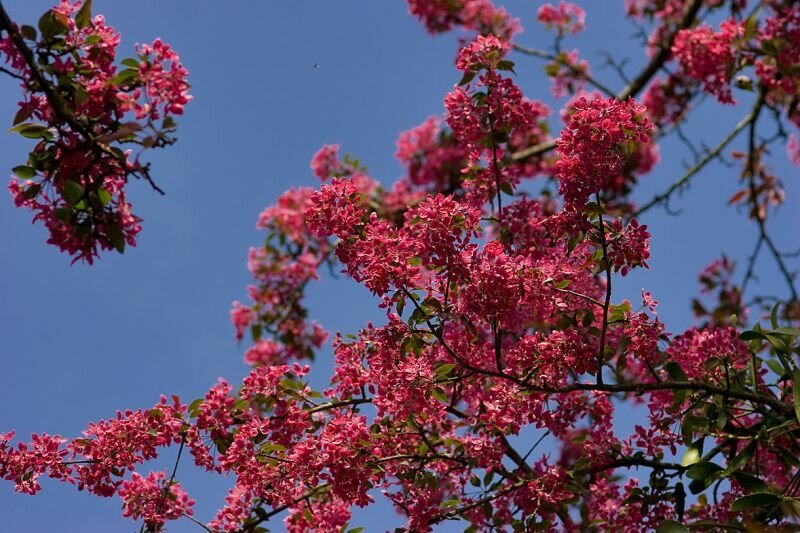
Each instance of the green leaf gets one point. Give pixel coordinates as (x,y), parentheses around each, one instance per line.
(450,503)
(693,452)
(750,482)
(699,485)
(773,316)
(104,196)
(72,192)
(445,370)
(776,367)
(268,447)
(758,499)
(24,172)
(63,214)
(22,114)
(440,395)
(33,131)
(50,25)
(29,32)
(740,460)
(507,188)
(793,332)
(671,526)
(468,77)
(751,335)
(675,371)
(31,191)
(703,470)
(84,15)
(776,343)
(551,69)
(116,237)
(194,405)
(124,77)
(796,392)
(130,63)
(506,65)
(690,424)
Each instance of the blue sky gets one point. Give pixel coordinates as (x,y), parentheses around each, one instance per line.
(78,343)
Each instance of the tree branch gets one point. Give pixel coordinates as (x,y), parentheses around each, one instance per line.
(703,162)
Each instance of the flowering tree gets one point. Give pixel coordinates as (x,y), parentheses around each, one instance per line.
(494,260)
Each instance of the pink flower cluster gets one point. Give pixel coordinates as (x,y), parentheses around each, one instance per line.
(566,18)
(74,180)
(487,113)
(710,57)
(433,158)
(326,163)
(165,89)
(779,40)
(695,348)
(595,144)
(479,15)
(154,499)
(628,246)
(482,53)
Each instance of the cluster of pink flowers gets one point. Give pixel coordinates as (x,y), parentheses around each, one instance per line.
(486,114)
(693,349)
(629,246)
(154,499)
(779,41)
(326,163)
(482,53)
(98,461)
(432,157)
(165,89)
(710,57)
(593,146)
(566,18)
(74,180)
(479,15)
(25,464)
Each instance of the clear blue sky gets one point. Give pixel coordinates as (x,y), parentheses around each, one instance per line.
(77,343)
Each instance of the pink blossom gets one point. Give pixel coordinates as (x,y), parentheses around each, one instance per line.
(710,57)
(242,317)
(566,18)
(593,145)
(154,499)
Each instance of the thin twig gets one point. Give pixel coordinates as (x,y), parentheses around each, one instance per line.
(607,302)
(659,198)
(762,225)
(575,69)
(198,522)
